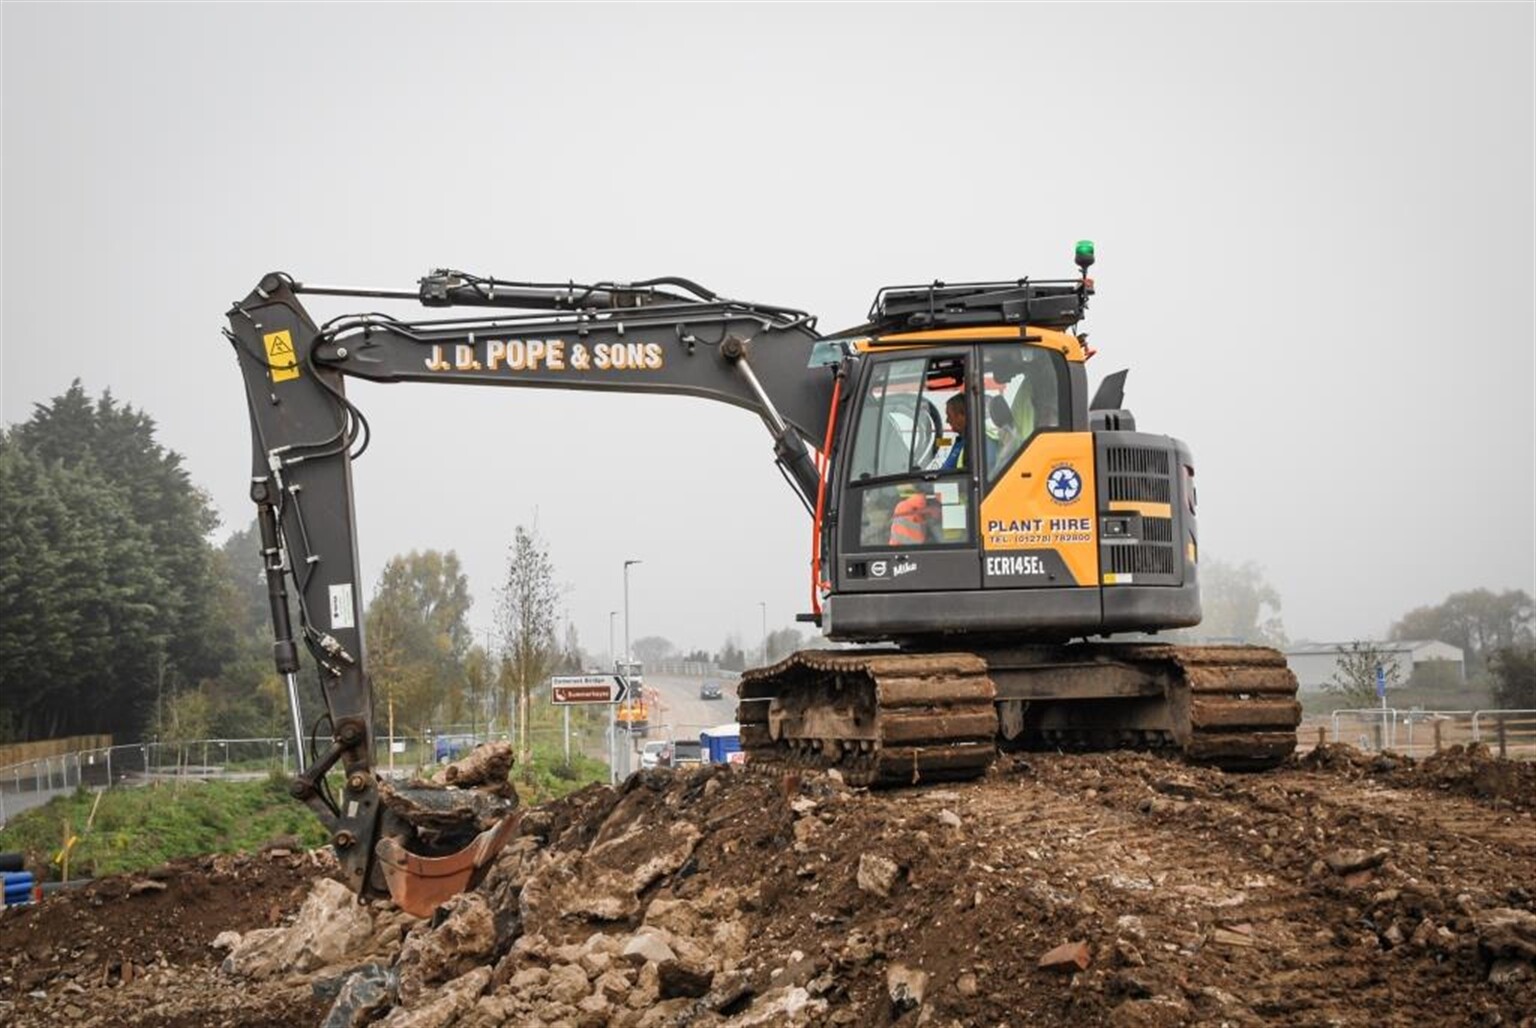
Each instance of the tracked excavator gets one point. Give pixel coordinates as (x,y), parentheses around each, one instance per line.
(993,549)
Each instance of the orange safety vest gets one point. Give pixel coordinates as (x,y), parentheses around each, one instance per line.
(909,521)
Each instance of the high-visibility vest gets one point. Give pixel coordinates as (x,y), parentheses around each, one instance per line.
(909,521)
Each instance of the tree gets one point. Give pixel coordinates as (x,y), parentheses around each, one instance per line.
(730,657)
(1354,678)
(419,635)
(1479,621)
(1238,603)
(527,610)
(84,626)
(572,661)
(109,604)
(782,643)
(1514,676)
(653,649)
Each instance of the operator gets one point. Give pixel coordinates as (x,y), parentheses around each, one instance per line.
(954,413)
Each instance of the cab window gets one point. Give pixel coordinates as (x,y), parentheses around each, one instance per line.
(1023,390)
(909,470)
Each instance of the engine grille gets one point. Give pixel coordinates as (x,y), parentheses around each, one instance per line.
(1142,474)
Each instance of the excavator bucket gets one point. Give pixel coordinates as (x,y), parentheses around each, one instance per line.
(420,884)
(440,838)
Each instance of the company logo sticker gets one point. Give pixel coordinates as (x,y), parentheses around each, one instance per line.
(877,568)
(1064,483)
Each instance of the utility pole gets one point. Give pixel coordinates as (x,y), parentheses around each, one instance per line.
(613,654)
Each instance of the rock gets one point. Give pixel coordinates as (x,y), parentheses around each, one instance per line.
(966,984)
(1128,955)
(529,979)
(647,949)
(857,949)
(225,941)
(330,925)
(1068,958)
(614,985)
(595,963)
(465,937)
(1132,927)
(877,874)
(567,984)
(1507,932)
(1157,1012)
(1506,972)
(782,1008)
(681,978)
(1349,861)
(449,1002)
(949,817)
(906,986)
(594,1010)
(664,1014)
(140,888)
(363,996)
(1227,937)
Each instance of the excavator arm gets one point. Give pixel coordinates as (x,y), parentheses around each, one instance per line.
(664,336)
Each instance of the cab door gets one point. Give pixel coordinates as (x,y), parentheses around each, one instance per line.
(907,520)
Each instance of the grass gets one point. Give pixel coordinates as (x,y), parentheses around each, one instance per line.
(140,828)
(135,829)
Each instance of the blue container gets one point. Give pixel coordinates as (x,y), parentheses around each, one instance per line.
(720,742)
(18,887)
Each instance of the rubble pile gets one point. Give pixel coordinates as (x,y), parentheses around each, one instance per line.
(1121,889)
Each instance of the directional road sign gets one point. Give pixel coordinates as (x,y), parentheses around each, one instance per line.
(567,690)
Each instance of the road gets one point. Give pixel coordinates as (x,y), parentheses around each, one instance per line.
(682,710)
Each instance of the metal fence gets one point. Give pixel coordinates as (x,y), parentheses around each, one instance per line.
(1508,733)
(32,783)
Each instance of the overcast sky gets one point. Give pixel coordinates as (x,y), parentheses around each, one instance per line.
(1314,226)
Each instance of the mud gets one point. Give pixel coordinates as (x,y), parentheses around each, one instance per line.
(1342,889)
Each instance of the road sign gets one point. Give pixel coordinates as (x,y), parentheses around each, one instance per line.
(1381,681)
(566,690)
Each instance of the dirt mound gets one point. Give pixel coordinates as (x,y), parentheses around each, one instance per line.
(1119,889)
(1469,770)
(81,946)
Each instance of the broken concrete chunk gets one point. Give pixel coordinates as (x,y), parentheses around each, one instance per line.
(682,978)
(877,874)
(1068,958)
(1349,861)
(364,995)
(647,949)
(906,986)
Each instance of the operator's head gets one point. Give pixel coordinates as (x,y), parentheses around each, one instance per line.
(954,411)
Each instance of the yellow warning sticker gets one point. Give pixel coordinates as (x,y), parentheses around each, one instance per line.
(281,359)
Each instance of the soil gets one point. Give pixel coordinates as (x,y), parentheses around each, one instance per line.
(1341,889)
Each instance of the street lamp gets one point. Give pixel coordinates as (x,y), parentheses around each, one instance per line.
(763,609)
(613,654)
(627,563)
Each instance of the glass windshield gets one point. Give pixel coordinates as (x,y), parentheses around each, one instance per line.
(1022,390)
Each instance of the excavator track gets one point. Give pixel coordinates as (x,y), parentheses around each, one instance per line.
(879,718)
(887,719)
(1232,706)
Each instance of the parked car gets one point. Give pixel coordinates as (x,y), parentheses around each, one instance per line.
(709,691)
(650,753)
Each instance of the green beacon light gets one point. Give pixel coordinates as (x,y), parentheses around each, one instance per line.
(1085,254)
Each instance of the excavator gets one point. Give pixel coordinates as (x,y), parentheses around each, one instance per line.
(994,550)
